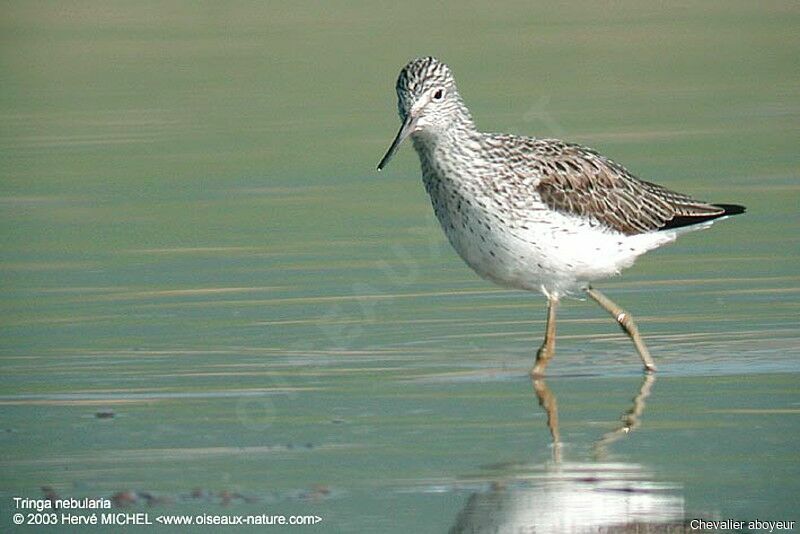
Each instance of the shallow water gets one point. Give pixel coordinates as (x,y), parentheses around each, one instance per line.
(212,303)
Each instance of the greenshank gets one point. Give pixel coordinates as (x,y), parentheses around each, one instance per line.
(536,214)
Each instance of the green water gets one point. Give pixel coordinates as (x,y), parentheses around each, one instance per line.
(194,238)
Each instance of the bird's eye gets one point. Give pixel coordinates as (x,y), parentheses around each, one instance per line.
(438,95)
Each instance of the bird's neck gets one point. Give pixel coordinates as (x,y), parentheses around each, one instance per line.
(456,139)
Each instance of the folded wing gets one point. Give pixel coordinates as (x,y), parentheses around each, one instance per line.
(579,181)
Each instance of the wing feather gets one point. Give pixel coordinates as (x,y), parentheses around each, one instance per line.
(579,181)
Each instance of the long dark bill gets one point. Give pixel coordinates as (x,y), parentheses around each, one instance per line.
(405,130)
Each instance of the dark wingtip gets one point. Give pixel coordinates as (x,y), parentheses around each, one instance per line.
(680,221)
(731,209)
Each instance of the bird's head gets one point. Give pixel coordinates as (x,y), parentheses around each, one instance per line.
(427,101)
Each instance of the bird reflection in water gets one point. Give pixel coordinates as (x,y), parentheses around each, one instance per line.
(573,497)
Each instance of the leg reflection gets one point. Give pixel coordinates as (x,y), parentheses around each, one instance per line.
(570,497)
(548,402)
(630,420)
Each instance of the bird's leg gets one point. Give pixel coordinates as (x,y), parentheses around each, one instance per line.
(626,322)
(548,347)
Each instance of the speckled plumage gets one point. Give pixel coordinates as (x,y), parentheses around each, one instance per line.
(535,214)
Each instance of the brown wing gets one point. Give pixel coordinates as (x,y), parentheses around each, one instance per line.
(579,181)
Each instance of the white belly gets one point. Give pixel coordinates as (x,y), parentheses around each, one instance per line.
(547,252)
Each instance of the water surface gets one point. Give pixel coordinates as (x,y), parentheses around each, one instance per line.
(212,303)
